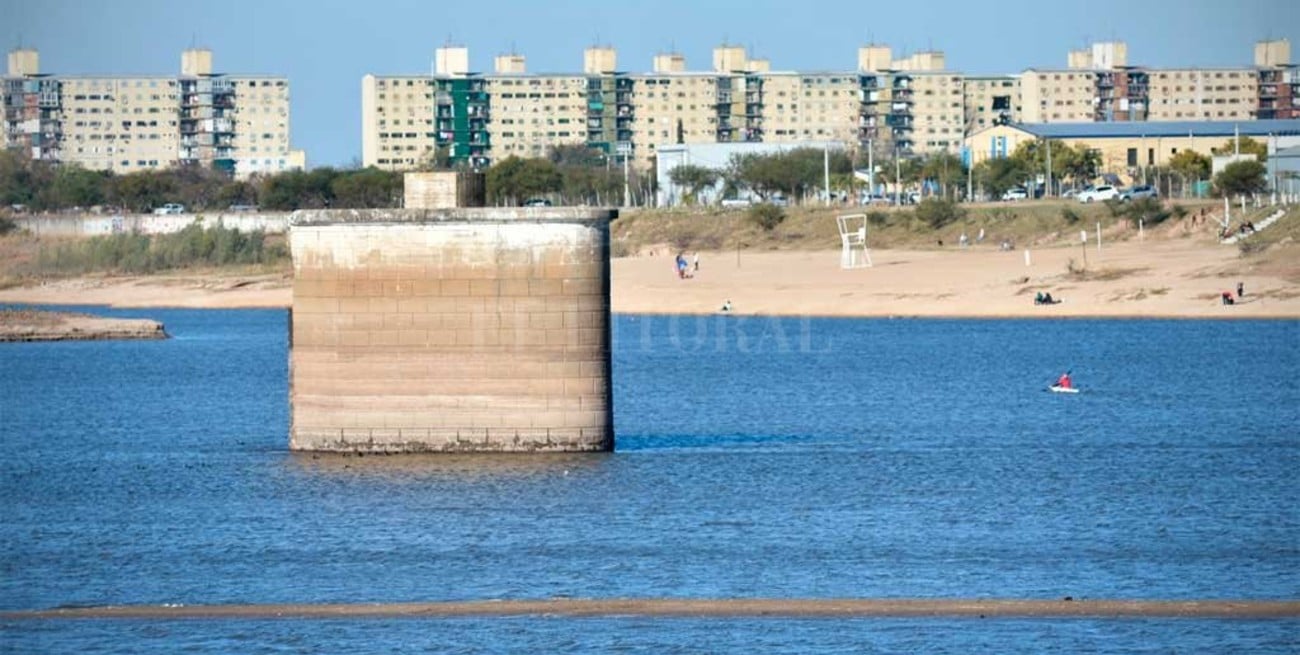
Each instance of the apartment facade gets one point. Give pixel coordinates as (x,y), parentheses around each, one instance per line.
(234,123)
(910,105)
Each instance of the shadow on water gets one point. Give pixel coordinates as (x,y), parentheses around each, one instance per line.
(444,466)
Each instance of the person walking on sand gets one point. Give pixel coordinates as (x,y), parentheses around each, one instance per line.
(695,262)
(1241,290)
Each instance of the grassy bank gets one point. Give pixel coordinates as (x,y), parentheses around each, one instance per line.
(27,257)
(1036,223)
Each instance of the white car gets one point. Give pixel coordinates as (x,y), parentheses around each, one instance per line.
(170,208)
(1104,192)
(1015,193)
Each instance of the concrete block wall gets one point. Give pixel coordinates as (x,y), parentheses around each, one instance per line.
(453,330)
(443,190)
(89,225)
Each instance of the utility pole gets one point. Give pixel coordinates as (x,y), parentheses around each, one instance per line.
(871,169)
(826,170)
(898,168)
(1048,192)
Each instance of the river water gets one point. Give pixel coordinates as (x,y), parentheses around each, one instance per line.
(774,458)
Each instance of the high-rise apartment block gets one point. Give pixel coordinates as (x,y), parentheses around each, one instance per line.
(233,123)
(909,105)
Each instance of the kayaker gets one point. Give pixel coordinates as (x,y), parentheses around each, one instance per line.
(1064,381)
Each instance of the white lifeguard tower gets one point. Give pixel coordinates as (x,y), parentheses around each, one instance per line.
(853,238)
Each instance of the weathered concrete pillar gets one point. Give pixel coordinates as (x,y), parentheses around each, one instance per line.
(451,330)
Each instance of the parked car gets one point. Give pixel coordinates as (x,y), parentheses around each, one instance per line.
(537,202)
(735,202)
(1103,192)
(1144,191)
(239,209)
(170,208)
(1015,193)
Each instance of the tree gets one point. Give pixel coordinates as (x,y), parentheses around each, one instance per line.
(1241,178)
(143,190)
(1190,164)
(575,155)
(944,168)
(995,176)
(514,180)
(74,186)
(16,184)
(367,188)
(694,179)
(1081,165)
(1247,146)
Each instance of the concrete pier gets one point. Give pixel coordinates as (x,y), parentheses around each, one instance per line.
(451,330)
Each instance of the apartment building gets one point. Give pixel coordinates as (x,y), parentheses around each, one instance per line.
(911,105)
(989,100)
(233,123)
(1098,85)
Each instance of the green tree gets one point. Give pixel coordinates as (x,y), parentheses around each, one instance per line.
(1247,146)
(591,184)
(565,155)
(298,190)
(367,188)
(1081,165)
(943,168)
(995,176)
(1241,178)
(143,190)
(16,184)
(514,180)
(1190,164)
(236,193)
(694,179)
(74,186)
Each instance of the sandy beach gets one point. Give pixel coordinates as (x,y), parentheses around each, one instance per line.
(1156,278)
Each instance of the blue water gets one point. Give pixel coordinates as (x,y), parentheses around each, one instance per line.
(755,458)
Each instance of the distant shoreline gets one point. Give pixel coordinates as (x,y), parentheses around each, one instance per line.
(1167,279)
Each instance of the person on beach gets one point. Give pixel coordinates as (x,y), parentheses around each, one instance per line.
(695,263)
(726,306)
(1064,381)
(1241,289)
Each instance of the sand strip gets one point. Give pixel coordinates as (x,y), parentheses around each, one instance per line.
(714,608)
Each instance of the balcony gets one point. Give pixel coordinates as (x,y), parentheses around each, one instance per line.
(724,98)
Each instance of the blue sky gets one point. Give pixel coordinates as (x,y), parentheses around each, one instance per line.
(325,47)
